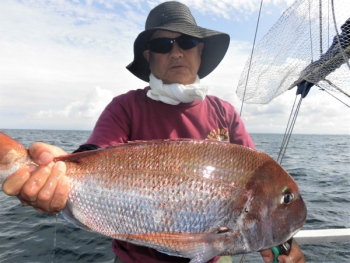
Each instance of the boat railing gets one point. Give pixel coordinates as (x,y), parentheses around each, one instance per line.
(323,236)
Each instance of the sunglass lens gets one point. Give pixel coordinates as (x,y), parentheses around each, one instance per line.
(188,43)
(161,45)
(164,45)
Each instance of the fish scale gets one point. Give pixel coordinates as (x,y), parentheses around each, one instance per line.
(191,198)
(155,200)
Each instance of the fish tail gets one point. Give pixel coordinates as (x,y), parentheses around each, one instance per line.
(13,156)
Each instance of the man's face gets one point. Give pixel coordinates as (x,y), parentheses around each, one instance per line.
(177,66)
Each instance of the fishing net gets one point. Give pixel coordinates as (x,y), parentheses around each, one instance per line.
(310,42)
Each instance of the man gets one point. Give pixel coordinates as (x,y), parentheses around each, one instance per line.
(172,54)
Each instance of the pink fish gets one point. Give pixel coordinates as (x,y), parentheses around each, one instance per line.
(191,198)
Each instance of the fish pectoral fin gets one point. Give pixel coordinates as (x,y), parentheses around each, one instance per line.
(200,247)
(68,215)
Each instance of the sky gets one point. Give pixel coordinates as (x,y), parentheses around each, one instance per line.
(62,62)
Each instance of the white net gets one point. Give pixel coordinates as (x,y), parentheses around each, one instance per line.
(310,42)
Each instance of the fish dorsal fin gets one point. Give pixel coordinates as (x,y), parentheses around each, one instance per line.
(78,157)
(199,247)
(166,140)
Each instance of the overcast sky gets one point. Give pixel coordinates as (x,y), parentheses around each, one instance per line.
(61,63)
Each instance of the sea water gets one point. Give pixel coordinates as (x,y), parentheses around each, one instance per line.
(320,164)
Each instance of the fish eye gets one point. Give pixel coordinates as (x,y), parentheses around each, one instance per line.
(287,198)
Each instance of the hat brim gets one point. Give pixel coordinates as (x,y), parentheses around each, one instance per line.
(215,48)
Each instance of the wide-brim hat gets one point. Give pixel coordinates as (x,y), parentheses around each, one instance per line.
(176,17)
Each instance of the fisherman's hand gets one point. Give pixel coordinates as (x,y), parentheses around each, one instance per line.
(295,255)
(42,186)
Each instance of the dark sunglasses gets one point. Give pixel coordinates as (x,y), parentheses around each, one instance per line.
(164,44)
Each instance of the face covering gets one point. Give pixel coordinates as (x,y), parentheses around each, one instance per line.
(176,93)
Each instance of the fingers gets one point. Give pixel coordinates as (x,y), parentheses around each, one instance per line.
(60,197)
(31,188)
(43,154)
(46,189)
(295,255)
(14,183)
(267,255)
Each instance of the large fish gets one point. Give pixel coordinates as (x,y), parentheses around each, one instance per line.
(192,198)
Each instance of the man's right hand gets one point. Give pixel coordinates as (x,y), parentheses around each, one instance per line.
(43,186)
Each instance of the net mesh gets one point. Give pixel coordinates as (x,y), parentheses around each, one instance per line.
(310,42)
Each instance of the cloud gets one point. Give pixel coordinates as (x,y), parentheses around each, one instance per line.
(235,10)
(61,23)
(81,114)
(63,61)
(319,114)
(90,107)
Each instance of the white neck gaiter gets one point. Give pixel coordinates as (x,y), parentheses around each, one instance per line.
(176,93)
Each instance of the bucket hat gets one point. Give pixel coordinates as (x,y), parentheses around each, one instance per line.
(176,17)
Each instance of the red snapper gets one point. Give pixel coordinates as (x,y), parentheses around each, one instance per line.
(191,198)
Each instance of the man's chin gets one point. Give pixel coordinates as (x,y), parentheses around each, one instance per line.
(180,78)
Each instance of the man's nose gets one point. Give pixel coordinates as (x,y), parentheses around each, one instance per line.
(176,51)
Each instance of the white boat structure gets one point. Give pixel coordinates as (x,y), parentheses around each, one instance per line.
(308,46)
(323,235)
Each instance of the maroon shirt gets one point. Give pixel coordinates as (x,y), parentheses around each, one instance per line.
(134,116)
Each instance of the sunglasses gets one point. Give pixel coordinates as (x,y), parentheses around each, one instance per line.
(164,45)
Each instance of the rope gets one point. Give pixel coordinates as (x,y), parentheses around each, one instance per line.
(321,33)
(311,44)
(333,95)
(336,87)
(246,83)
(328,16)
(285,132)
(242,258)
(291,123)
(289,129)
(251,57)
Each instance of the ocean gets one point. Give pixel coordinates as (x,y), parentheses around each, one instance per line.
(320,164)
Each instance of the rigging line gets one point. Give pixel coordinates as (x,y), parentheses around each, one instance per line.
(288,136)
(242,258)
(336,87)
(291,130)
(311,44)
(339,43)
(333,95)
(285,132)
(251,57)
(290,127)
(321,33)
(328,23)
